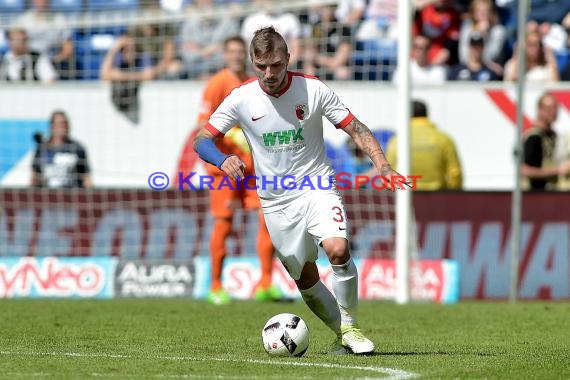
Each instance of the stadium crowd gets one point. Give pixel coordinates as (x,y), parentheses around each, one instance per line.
(453,40)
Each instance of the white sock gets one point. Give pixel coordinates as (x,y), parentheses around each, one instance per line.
(321,302)
(345,287)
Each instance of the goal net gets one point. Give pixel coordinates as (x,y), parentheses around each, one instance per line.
(133,130)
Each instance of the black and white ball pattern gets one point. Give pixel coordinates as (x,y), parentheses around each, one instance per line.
(285,334)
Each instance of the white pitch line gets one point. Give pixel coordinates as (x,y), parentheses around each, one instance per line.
(184,376)
(27,374)
(394,374)
(122,376)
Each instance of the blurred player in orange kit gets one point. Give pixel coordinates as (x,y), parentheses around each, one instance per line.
(224,201)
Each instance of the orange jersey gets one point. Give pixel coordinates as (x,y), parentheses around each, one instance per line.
(217,88)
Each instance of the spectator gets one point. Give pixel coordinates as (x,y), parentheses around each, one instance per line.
(434,156)
(126,67)
(60,162)
(171,66)
(49,34)
(421,71)
(541,65)
(539,167)
(439,21)
(328,51)
(553,36)
(381,22)
(158,43)
(287,24)
(483,20)
(474,69)
(21,64)
(151,38)
(350,12)
(202,37)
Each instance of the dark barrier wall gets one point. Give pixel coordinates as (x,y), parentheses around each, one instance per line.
(471,228)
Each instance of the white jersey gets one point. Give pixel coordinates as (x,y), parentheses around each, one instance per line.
(285,133)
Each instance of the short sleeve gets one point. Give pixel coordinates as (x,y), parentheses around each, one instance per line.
(45,70)
(36,164)
(332,107)
(82,162)
(225,116)
(533,151)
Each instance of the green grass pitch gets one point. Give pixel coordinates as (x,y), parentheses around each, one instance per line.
(187,339)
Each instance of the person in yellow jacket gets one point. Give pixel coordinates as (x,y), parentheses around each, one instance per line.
(433,153)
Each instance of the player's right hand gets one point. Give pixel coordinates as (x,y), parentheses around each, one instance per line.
(233,167)
(395,180)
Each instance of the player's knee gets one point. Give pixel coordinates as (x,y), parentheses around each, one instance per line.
(309,276)
(337,250)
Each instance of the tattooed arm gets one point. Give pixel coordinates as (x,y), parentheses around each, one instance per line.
(368,143)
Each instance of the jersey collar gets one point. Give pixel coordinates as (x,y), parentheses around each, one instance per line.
(283,90)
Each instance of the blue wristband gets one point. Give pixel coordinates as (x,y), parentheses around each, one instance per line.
(207,150)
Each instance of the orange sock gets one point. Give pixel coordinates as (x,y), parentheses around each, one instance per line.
(220,232)
(265,252)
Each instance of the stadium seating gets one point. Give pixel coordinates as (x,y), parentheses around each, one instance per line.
(12,6)
(112,5)
(91,46)
(66,6)
(373,60)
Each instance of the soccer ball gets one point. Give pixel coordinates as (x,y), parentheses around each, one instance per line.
(285,334)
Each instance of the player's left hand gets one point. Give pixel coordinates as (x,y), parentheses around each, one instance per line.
(396,181)
(234,167)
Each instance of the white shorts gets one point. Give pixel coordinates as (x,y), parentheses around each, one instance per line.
(304,223)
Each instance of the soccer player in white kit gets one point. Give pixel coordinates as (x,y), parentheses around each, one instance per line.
(281,116)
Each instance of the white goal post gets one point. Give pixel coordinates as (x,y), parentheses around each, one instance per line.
(404,226)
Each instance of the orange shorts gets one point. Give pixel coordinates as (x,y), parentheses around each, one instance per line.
(224,201)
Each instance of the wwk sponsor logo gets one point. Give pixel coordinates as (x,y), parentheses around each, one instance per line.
(283,137)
